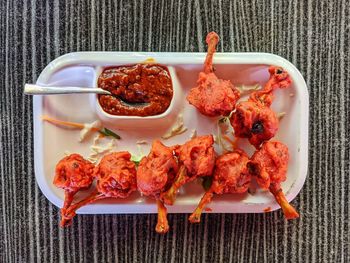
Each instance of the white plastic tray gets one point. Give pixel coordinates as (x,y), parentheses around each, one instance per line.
(81,69)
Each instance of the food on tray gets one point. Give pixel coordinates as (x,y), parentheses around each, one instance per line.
(231,175)
(269,167)
(155,174)
(196,159)
(137,90)
(254,119)
(159,175)
(116,178)
(145,90)
(213,96)
(73,173)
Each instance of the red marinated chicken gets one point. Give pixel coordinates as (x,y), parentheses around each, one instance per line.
(116,177)
(254,119)
(213,96)
(269,166)
(73,173)
(197,159)
(231,175)
(155,175)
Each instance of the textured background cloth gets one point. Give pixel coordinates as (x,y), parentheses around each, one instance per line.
(313,34)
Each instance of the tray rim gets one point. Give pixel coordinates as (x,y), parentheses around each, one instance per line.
(88,58)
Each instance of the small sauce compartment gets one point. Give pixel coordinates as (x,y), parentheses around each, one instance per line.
(129,108)
(137,90)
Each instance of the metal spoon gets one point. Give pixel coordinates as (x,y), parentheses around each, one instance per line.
(33,89)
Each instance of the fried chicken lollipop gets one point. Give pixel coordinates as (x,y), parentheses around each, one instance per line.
(269,166)
(254,119)
(73,173)
(197,159)
(155,174)
(231,175)
(213,96)
(116,178)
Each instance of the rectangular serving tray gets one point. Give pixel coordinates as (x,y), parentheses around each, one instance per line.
(82,69)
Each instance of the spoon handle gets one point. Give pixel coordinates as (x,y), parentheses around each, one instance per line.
(33,89)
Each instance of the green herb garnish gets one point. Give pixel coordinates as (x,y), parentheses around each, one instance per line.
(108,132)
(136,162)
(136,159)
(207,182)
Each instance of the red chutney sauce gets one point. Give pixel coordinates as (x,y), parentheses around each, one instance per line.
(138,90)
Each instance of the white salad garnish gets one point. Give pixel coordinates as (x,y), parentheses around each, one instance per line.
(244,89)
(88,129)
(177,129)
(224,129)
(100,147)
